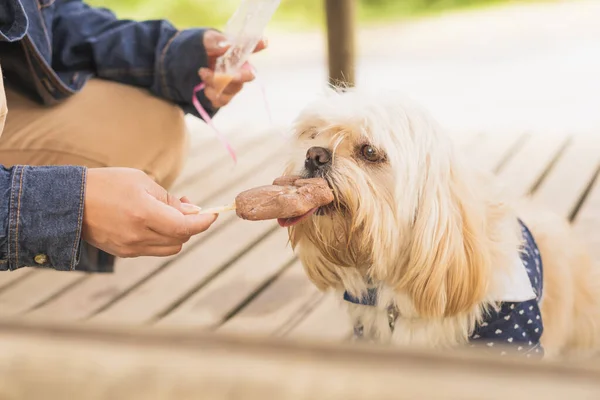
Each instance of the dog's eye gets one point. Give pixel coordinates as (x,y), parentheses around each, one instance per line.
(369,153)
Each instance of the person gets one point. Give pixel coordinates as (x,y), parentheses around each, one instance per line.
(93,133)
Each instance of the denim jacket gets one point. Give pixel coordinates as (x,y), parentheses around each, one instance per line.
(48,50)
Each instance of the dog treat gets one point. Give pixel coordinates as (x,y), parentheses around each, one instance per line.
(244,30)
(289,180)
(288,197)
(221,80)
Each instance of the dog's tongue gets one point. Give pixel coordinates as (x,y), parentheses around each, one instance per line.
(287,222)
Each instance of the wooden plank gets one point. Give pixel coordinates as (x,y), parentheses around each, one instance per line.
(212,170)
(153,364)
(328,321)
(275,306)
(200,134)
(98,291)
(587,221)
(190,271)
(213,155)
(212,304)
(562,189)
(340,16)
(493,149)
(194,267)
(25,294)
(198,163)
(529,164)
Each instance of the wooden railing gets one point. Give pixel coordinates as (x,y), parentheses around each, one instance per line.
(64,362)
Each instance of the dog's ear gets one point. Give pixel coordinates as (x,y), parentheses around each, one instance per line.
(448,257)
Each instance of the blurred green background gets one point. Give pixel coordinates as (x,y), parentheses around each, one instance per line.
(293,14)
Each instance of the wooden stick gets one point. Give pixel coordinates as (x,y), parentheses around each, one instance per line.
(218,210)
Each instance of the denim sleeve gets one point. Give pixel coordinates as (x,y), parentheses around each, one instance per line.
(41,216)
(13,21)
(148,54)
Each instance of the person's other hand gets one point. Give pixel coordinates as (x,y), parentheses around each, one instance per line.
(127,214)
(216,45)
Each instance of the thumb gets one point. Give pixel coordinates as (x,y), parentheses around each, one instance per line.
(215,43)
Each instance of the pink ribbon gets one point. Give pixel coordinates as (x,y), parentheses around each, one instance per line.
(209,121)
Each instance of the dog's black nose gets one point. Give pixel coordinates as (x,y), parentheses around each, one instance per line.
(317,158)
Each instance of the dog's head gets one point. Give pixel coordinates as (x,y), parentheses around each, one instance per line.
(403,213)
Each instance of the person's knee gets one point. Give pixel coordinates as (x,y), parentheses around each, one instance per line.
(172,150)
(156,134)
(107,124)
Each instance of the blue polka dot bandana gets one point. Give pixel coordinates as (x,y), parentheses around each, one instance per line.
(514,327)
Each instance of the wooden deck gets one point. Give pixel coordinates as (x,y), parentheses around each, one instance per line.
(242,276)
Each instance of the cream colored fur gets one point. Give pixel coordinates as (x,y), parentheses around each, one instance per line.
(430,231)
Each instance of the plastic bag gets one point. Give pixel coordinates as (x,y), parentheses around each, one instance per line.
(244,30)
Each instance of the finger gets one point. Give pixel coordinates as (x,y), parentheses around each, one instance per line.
(185,201)
(207,76)
(212,96)
(237,84)
(222,100)
(167,221)
(153,239)
(164,219)
(184,208)
(164,251)
(261,45)
(151,251)
(196,224)
(246,75)
(233,88)
(215,43)
(217,100)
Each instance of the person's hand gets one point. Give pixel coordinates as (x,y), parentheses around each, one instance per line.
(216,45)
(127,214)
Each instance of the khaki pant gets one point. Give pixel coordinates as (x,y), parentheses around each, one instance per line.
(105,125)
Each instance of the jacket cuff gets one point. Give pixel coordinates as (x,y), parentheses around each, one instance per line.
(45,216)
(178,67)
(14,23)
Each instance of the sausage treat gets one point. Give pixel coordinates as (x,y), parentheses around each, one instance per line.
(289,199)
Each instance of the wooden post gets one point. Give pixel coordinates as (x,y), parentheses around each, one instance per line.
(341,41)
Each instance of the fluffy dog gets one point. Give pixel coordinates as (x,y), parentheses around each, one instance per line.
(423,248)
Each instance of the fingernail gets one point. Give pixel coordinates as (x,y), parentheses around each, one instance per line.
(190,208)
(222,44)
